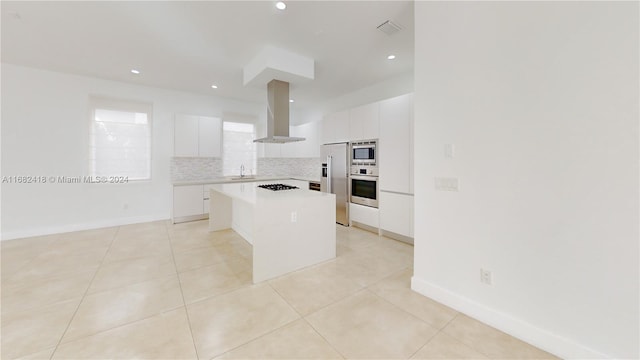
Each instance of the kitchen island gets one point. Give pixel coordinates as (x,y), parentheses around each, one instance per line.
(288,229)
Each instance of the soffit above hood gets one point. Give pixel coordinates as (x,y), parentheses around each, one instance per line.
(278,114)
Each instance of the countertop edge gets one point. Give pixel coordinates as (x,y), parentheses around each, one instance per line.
(228,181)
(251,194)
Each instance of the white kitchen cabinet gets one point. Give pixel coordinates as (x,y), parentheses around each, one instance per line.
(197,136)
(411,145)
(293,149)
(209,136)
(335,127)
(205,199)
(310,147)
(395,144)
(185,135)
(364,215)
(267,150)
(188,203)
(396,213)
(364,122)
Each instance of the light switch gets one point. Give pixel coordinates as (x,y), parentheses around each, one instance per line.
(449,151)
(447,184)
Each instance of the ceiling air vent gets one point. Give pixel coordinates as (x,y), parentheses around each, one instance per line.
(388,27)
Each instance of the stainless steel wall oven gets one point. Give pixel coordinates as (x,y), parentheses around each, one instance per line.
(364,190)
(363,181)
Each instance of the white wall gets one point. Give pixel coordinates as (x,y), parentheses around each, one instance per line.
(45,131)
(540,100)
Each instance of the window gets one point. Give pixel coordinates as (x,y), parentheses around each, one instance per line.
(120,141)
(238,148)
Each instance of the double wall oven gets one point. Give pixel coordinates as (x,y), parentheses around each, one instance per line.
(364,173)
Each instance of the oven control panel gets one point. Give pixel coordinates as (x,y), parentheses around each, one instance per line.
(364,170)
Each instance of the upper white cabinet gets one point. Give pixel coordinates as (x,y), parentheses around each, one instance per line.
(210,137)
(335,127)
(197,136)
(364,122)
(185,135)
(310,147)
(396,144)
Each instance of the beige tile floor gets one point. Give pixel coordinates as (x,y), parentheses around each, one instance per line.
(163,291)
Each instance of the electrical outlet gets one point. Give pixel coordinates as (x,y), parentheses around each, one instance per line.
(294,216)
(486,277)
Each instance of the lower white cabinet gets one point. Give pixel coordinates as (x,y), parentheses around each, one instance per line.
(364,215)
(396,213)
(205,199)
(189,203)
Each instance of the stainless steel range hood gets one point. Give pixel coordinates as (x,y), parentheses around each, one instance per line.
(278,114)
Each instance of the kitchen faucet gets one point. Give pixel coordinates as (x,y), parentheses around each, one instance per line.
(242,170)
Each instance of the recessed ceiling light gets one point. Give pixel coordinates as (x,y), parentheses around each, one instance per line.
(280,5)
(391,57)
(134,71)
(214,86)
(290,100)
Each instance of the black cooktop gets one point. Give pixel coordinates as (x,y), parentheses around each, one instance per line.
(278,187)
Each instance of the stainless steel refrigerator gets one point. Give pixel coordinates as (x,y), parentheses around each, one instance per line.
(335,177)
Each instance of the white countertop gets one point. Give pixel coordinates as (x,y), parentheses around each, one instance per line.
(308,179)
(227,180)
(252,194)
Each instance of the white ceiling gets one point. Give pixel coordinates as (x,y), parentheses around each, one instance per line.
(189,46)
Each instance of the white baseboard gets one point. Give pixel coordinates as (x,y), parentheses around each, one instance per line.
(365,227)
(396,236)
(10,235)
(522,330)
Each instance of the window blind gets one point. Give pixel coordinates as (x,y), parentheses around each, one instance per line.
(120,141)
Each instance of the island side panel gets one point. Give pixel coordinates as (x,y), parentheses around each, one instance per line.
(220,211)
(242,219)
(282,246)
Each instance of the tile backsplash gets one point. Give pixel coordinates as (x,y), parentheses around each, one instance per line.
(195,168)
(294,167)
(205,168)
